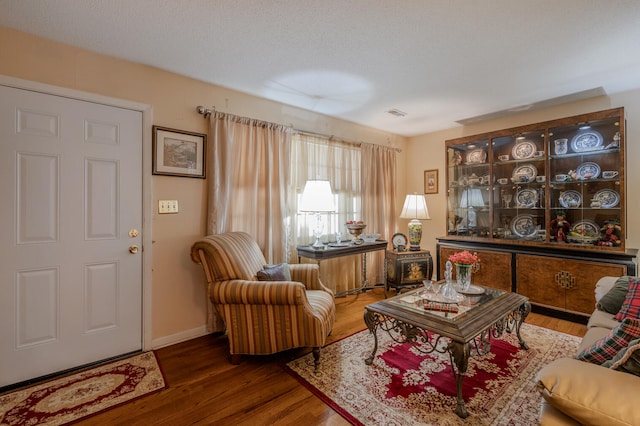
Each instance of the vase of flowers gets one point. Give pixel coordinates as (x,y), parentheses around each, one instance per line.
(466,264)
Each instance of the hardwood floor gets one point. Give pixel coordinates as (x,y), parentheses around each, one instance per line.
(204,388)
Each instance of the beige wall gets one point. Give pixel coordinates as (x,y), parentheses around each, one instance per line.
(178,305)
(427,152)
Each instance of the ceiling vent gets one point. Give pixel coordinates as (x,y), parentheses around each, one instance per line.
(396,112)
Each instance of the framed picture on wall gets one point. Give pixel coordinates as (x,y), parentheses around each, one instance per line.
(431,181)
(178,152)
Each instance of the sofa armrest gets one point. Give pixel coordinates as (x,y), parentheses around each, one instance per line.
(309,275)
(589,393)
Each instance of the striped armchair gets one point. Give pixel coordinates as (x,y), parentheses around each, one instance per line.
(263,317)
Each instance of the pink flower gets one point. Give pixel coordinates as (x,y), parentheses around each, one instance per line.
(465,258)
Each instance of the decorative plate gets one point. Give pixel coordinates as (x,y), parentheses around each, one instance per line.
(608,198)
(584,231)
(570,199)
(523,226)
(399,239)
(473,290)
(476,156)
(588,170)
(588,140)
(525,173)
(526,198)
(523,150)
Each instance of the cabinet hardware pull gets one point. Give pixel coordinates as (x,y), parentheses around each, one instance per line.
(565,280)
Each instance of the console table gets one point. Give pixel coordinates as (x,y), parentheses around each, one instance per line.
(329,252)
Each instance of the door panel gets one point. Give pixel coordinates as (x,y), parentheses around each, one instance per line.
(71,178)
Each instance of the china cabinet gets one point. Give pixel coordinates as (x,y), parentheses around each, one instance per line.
(544,207)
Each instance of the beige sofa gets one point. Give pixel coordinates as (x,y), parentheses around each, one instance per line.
(581,393)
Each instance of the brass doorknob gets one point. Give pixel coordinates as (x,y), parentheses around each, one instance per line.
(133,249)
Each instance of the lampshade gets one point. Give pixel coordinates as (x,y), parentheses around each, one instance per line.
(317,197)
(415,208)
(472,198)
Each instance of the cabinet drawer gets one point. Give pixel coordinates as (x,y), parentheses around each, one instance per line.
(495,267)
(564,284)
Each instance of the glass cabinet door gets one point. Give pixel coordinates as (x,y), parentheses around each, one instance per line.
(585,184)
(519,166)
(469,189)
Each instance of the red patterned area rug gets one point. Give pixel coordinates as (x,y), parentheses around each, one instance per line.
(404,386)
(79,395)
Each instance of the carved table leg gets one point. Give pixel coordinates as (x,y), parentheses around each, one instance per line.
(459,354)
(371,319)
(523,311)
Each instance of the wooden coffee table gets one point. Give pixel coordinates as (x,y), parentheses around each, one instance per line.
(480,318)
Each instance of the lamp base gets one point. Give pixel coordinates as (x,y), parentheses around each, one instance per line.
(415,234)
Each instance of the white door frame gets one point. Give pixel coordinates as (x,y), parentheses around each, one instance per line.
(147,120)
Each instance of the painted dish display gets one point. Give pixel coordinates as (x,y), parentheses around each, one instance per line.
(585,232)
(525,173)
(476,156)
(588,140)
(526,198)
(523,226)
(588,170)
(523,150)
(571,198)
(399,239)
(608,198)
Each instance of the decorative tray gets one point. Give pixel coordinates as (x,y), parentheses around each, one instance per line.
(608,198)
(473,290)
(588,170)
(585,232)
(589,140)
(523,150)
(477,156)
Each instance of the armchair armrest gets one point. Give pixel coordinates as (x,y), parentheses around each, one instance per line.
(245,292)
(309,275)
(590,393)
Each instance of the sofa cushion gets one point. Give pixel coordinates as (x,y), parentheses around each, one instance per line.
(279,272)
(602,319)
(627,360)
(617,339)
(592,335)
(612,301)
(631,306)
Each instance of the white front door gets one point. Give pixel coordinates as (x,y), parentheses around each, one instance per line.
(71,208)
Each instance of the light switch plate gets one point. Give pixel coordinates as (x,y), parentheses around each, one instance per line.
(167,206)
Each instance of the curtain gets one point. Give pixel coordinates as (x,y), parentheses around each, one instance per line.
(317,157)
(378,199)
(249,178)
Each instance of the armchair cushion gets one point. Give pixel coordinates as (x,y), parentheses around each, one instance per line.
(279,272)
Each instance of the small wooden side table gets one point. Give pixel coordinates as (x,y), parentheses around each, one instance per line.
(407,268)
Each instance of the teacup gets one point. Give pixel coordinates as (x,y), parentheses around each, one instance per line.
(541,179)
(596,204)
(503,181)
(560,146)
(503,157)
(610,174)
(562,177)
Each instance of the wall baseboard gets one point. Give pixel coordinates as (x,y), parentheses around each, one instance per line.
(180,337)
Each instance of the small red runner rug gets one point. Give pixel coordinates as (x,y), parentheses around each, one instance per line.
(79,395)
(405,386)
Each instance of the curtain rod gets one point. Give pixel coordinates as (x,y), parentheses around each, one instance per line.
(208,111)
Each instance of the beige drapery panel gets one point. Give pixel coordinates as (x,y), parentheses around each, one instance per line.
(378,200)
(249,177)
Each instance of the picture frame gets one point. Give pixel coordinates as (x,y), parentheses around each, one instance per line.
(179,153)
(431,181)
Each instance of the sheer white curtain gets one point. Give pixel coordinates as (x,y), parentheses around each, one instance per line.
(248,185)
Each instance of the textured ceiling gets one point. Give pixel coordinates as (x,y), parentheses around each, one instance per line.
(439,61)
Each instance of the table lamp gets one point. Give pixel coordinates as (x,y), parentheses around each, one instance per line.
(317,198)
(415,208)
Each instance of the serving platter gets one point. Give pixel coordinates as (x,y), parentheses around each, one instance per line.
(588,140)
(523,226)
(588,170)
(523,150)
(525,173)
(526,198)
(571,198)
(608,198)
(473,290)
(476,156)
